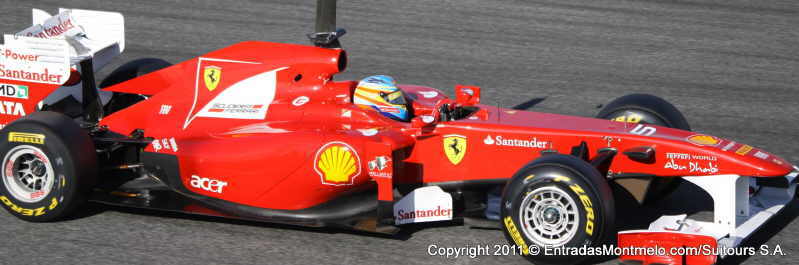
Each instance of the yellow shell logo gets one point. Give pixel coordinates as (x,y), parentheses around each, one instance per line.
(337,163)
(702,139)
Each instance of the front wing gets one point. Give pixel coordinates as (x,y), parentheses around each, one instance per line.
(740,206)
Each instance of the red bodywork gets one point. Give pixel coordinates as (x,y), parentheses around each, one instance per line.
(668,248)
(274,162)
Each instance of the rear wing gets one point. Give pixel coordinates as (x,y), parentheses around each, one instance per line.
(96,34)
(35,60)
(41,59)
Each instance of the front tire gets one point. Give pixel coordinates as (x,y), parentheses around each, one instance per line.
(48,167)
(557,201)
(648,109)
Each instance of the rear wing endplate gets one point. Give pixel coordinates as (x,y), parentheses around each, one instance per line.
(48,49)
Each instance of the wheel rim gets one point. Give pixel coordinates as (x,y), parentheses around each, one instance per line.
(549,216)
(28,174)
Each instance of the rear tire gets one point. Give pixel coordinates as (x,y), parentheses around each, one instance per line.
(48,167)
(557,201)
(648,109)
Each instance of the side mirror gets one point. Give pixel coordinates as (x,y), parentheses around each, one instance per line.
(422,121)
(467,95)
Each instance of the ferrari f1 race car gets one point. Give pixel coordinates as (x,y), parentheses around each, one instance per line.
(262,131)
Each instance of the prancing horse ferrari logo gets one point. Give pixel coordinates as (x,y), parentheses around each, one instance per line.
(454,147)
(212,75)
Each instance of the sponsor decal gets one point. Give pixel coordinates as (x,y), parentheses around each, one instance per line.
(420,214)
(21,137)
(428,119)
(702,139)
(206,184)
(44,76)
(337,163)
(761,155)
(52,27)
(377,166)
(776,161)
(683,156)
(632,118)
(428,94)
(212,75)
(26,211)
(299,101)
(248,98)
(697,167)
(454,147)
(514,233)
(34,60)
(58,27)
(234,108)
(743,150)
(368,132)
(678,156)
(165,109)
(165,144)
(643,130)
(510,111)
(728,146)
(11,55)
(532,143)
(673,165)
(379,163)
(12,108)
(427,204)
(693,167)
(345,113)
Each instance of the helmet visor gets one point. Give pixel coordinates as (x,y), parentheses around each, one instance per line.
(395,98)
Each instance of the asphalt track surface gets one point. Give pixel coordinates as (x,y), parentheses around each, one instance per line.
(731,66)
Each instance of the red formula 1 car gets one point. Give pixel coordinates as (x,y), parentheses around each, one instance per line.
(261,131)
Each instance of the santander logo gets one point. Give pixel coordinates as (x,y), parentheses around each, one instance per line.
(502,141)
(403,215)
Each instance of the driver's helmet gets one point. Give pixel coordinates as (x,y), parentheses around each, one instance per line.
(380,92)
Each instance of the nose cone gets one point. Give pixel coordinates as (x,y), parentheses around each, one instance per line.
(761,162)
(743,159)
(700,154)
